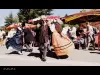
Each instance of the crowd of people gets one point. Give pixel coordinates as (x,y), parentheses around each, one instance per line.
(84,36)
(46,33)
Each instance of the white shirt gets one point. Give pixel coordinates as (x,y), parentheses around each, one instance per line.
(11,34)
(73,32)
(85,30)
(97,30)
(19,28)
(2,33)
(52,27)
(65,29)
(90,29)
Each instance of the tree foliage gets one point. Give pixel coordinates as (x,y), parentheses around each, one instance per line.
(10,19)
(26,14)
(66,15)
(93,9)
(16,19)
(83,10)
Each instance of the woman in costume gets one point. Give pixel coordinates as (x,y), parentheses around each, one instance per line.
(14,40)
(61,43)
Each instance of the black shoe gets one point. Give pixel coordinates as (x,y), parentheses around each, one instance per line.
(83,48)
(30,50)
(21,51)
(58,57)
(43,59)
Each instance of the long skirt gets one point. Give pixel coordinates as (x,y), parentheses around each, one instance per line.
(12,43)
(61,45)
(97,39)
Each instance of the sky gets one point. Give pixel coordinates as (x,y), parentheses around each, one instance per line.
(57,12)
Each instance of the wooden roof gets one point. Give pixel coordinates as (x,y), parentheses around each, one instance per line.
(81,14)
(85,13)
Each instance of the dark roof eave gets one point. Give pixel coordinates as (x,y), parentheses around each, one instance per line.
(84,13)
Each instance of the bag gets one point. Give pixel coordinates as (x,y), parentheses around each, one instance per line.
(62,46)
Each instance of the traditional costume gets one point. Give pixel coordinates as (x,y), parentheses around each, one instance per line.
(61,43)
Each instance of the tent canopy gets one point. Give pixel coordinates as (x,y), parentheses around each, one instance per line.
(83,17)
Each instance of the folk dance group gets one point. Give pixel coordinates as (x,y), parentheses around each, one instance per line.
(45,32)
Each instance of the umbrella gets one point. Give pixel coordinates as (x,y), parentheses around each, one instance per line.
(90,16)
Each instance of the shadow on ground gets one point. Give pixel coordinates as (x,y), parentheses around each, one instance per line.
(34,54)
(13,52)
(49,54)
(95,52)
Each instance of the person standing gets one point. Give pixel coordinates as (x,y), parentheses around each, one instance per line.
(65,30)
(80,41)
(34,37)
(73,33)
(44,38)
(91,39)
(2,33)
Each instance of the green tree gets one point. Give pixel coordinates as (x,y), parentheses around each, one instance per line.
(83,10)
(93,9)
(10,19)
(16,19)
(26,14)
(66,15)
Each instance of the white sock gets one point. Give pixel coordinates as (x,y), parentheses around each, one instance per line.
(10,48)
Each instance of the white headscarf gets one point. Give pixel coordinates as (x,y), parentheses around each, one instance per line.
(11,33)
(59,21)
(19,28)
(65,29)
(43,17)
(52,27)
